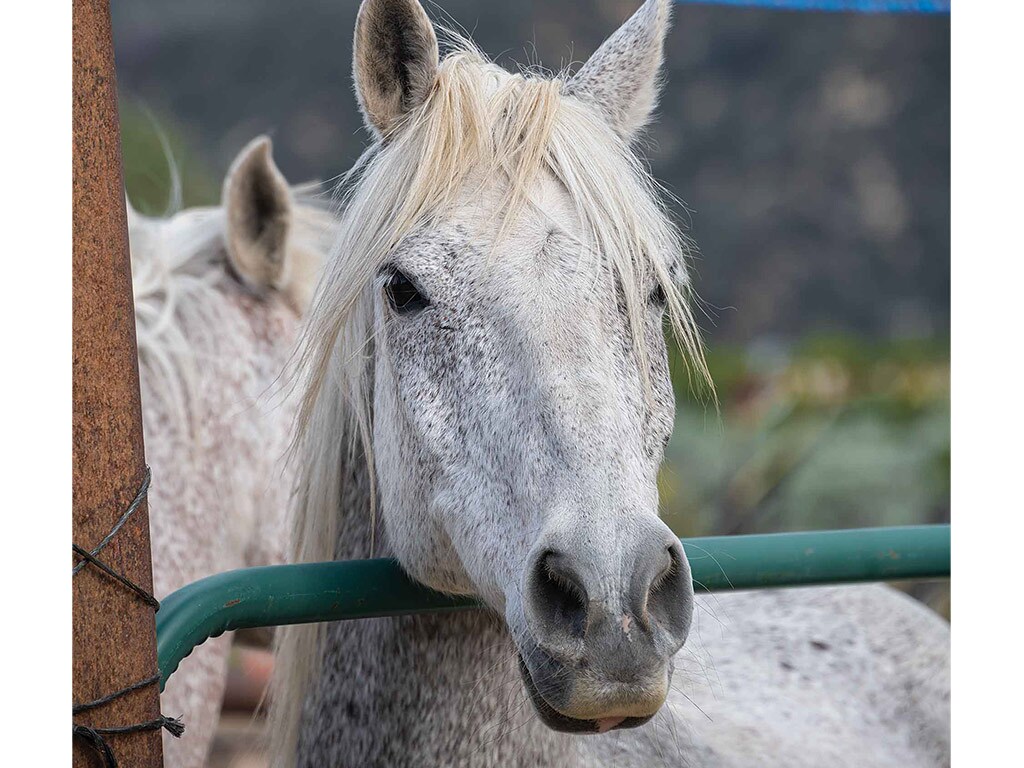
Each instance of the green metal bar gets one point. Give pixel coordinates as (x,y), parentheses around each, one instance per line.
(360,589)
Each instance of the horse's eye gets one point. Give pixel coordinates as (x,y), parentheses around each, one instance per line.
(403,294)
(658,297)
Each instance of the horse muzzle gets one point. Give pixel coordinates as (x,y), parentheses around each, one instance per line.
(603,626)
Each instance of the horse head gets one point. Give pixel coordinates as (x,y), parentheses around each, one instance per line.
(495,310)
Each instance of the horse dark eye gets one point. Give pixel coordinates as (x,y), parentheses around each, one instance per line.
(658,297)
(403,294)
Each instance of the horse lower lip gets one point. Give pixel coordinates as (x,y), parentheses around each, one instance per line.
(560,722)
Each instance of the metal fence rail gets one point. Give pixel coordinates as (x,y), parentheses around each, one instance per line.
(358,589)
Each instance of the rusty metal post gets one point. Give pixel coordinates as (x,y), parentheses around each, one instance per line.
(114,641)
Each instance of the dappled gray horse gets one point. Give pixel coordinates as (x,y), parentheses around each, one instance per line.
(218,297)
(488,399)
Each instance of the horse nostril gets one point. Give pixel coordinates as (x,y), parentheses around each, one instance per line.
(668,591)
(557,596)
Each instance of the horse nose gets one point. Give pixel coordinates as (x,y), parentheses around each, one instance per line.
(622,604)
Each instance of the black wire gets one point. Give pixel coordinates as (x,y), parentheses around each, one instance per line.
(75,709)
(93,736)
(147,598)
(136,503)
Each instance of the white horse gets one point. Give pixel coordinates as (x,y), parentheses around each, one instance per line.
(218,298)
(487,375)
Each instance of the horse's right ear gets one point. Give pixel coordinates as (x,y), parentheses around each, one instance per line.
(258,208)
(622,76)
(395,60)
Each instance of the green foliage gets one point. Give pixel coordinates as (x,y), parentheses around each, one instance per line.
(150,144)
(832,432)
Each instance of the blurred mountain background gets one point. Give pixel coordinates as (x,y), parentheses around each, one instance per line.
(812,149)
(812,153)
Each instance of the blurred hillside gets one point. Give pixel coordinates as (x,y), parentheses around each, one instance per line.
(811,148)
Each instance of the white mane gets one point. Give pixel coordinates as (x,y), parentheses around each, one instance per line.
(175,262)
(479,122)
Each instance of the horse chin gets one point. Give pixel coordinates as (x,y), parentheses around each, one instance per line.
(556,721)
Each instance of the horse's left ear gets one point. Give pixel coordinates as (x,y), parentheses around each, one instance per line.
(258,206)
(394,62)
(622,77)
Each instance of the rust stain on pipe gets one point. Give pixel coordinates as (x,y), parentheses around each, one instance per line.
(114,641)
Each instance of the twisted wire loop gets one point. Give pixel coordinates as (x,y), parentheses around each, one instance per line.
(140,496)
(96,737)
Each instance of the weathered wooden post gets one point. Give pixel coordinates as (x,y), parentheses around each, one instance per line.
(114,631)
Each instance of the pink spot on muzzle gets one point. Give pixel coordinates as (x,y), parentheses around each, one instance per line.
(605,724)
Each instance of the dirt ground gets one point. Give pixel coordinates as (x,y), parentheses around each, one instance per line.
(240,742)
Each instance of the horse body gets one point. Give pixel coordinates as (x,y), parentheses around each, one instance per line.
(487,400)
(215,334)
(800,678)
(224,508)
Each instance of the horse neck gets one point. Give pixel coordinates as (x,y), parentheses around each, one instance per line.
(207,390)
(418,690)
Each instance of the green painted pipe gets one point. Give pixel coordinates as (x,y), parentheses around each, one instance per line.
(359,589)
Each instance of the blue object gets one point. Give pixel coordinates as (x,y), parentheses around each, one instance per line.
(853,6)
